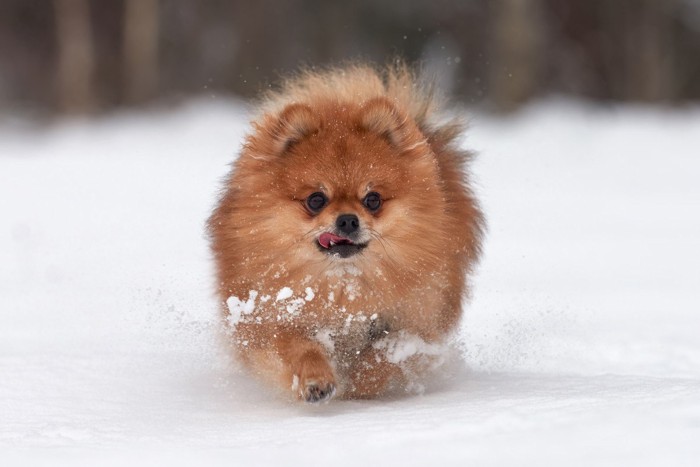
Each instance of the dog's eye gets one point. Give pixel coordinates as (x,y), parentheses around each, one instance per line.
(316,201)
(372,201)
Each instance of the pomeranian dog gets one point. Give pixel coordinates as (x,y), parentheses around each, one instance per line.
(345,234)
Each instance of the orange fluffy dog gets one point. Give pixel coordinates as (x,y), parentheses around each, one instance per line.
(345,234)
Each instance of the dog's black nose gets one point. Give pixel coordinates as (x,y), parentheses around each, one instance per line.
(347,223)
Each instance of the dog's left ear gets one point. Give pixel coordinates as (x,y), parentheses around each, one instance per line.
(380,115)
(295,122)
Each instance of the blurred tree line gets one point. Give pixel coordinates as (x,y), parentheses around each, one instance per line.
(84,56)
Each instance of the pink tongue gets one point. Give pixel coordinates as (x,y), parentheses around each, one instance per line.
(326,238)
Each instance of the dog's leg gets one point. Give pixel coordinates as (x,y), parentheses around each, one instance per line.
(312,376)
(291,360)
(371,375)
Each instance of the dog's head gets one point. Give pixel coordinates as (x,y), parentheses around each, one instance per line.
(341,183)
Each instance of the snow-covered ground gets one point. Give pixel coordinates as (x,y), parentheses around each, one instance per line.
(582,342)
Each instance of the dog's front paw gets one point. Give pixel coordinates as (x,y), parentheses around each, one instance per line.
(317,391)
(314,381)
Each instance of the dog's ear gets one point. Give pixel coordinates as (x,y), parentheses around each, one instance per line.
(380,116)
(295,122)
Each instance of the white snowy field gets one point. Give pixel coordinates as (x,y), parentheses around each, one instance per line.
(582,341)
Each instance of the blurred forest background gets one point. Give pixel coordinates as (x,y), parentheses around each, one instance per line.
(89,56)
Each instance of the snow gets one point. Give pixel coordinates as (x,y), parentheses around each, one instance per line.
(237,307)
(580,344)
(284,293)
(326,337)
(405,345)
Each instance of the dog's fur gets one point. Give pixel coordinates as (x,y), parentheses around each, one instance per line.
(309,319)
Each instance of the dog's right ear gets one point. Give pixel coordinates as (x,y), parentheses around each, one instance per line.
(295,122)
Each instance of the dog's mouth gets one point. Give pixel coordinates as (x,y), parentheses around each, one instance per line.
(336,245)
